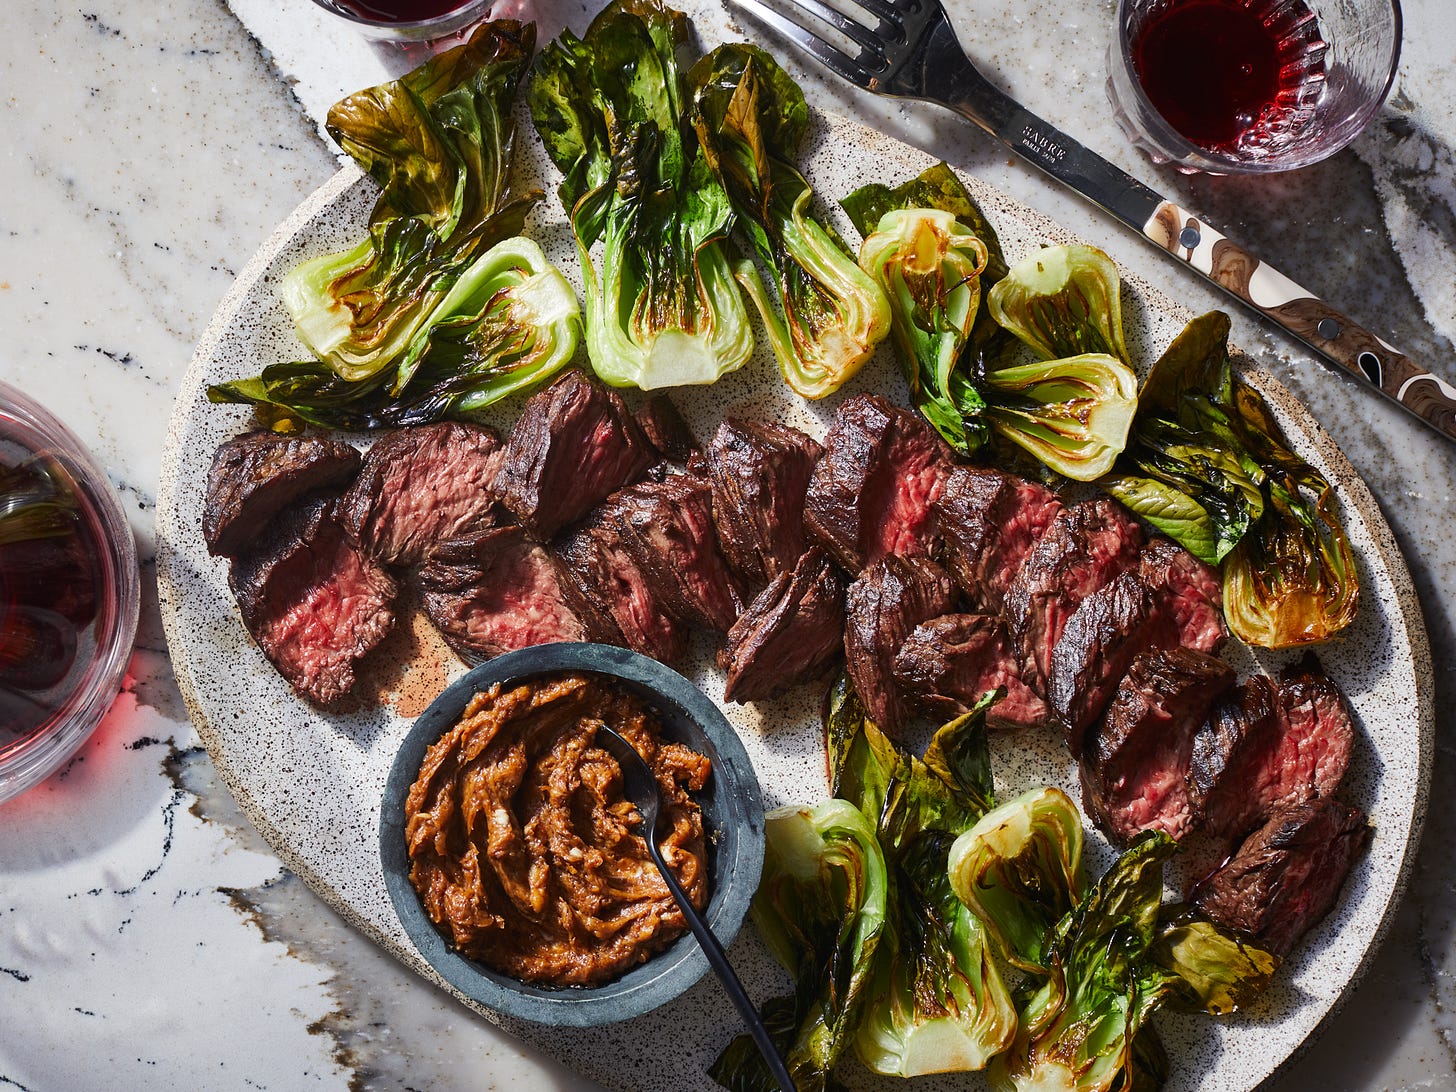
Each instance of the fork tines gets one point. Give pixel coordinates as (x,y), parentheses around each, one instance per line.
(861,70)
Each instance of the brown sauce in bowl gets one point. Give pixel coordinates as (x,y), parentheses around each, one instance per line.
(523,848)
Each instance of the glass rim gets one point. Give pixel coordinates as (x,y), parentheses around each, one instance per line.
(27,762)
(467,8)
(1187,152)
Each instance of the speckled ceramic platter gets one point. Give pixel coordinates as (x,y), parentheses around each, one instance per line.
(312,782)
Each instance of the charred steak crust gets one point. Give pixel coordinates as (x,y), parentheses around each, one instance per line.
(990,521)
(574,445)
(601,578)
(1135,772)
(667,432)
(790,634)
(1189,589)
(667,528)
(949,662)
(498,590)
(422,486)
(1228,750)
(873,492)
(1286,876)
(1085,547)
(257,475)
(887,602)
(313,601)
(1104,633)
(1277,744)
(760,474)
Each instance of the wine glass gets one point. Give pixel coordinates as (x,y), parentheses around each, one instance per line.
(411,30)
(1250,86)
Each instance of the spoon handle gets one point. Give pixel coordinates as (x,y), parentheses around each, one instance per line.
(718,960)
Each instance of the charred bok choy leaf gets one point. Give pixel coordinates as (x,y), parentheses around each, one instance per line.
(935,265)
(750,118)
(1072,409)
(925,997)
(820,908)
(1209,466)
(1112,961)
(1019,870)
(438,141)
(937,1002)
(663,308)
(509,322)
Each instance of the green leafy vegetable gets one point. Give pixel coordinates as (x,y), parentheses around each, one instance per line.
(1210,467)
(935,264)
(828,317)
(508,324)
(1019,870)
(1077,1031)
(1185,471)
(1062,301)
(438,141)
(925,996)
(929,266)
(1073,414)
(820,908)
(663,308)
(1112,961)
(1292,579)
(1219,971)
(938,1003)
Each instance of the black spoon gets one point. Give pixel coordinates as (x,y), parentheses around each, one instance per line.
(640,787)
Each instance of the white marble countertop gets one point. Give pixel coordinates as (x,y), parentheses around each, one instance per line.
(148,938)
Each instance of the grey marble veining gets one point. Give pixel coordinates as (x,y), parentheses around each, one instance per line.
(151,148)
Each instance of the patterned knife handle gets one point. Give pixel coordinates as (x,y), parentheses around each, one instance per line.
(1307,317)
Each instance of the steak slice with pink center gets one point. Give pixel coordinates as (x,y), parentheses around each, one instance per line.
(873,493)
(420,487)
(313,601)
(949,662)
(1135,770)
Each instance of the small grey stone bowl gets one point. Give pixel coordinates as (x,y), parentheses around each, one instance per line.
(732,806)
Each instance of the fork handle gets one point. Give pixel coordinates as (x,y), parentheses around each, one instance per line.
(1189,238)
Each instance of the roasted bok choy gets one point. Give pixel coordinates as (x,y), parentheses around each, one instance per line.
(1019,870)
(662,308)
(509,322)
(1112,961)
(820,908)
(1209,466)
(827,316)
(936,264)
(926,995)
(438,141)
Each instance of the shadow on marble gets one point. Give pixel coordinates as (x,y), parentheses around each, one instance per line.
(90,804)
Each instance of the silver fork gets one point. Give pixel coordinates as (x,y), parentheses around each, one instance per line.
(908,49)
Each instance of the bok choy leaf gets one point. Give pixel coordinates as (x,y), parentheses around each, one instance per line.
(936,265)
(438,141)
(1112,961)
(820,908)
(508,324)
(828,316)
(1209,466)
(1019,870)
(663,307)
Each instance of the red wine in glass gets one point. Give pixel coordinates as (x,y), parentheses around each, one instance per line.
(399,11)
(52,582)
(1221,70)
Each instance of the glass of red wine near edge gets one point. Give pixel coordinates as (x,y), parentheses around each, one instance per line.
(1250,86)
(416,29)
